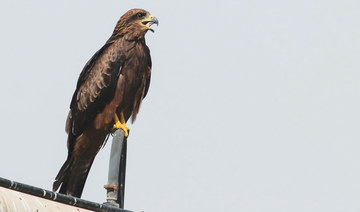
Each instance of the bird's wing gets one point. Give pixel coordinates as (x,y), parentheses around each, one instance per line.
(149,64)
(95,88)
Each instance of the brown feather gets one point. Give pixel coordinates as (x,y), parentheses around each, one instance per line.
(115,80)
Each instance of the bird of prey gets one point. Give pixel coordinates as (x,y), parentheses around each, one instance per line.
(109,91)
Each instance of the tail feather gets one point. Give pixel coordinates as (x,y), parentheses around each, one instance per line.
(82,151)
(75,182)
(72,177)
(62,175)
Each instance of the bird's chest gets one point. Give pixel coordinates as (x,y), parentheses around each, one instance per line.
(133,78)
(135,69)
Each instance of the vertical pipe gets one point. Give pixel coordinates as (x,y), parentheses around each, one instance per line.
(117,167)
(122,174)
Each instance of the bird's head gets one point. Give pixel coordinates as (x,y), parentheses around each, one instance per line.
(135,23)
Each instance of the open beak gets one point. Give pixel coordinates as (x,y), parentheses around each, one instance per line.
(150,21)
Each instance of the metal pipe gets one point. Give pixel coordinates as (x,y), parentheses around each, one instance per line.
(117,168)
(122,174)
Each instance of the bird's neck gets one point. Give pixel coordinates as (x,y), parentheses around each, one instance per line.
(127,37)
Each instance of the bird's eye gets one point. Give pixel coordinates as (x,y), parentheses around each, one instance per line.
(140,15)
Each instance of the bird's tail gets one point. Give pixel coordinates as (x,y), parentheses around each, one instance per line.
(62,175)
(72,177)
(82,151)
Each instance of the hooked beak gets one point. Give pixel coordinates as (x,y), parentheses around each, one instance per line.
(150,21)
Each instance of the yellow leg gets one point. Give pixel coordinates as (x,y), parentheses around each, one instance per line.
(120,124)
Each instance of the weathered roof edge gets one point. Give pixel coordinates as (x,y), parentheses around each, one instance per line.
(57,197)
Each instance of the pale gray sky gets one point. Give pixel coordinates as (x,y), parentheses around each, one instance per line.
(253,105)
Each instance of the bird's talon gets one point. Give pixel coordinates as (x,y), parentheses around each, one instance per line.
(119,125)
